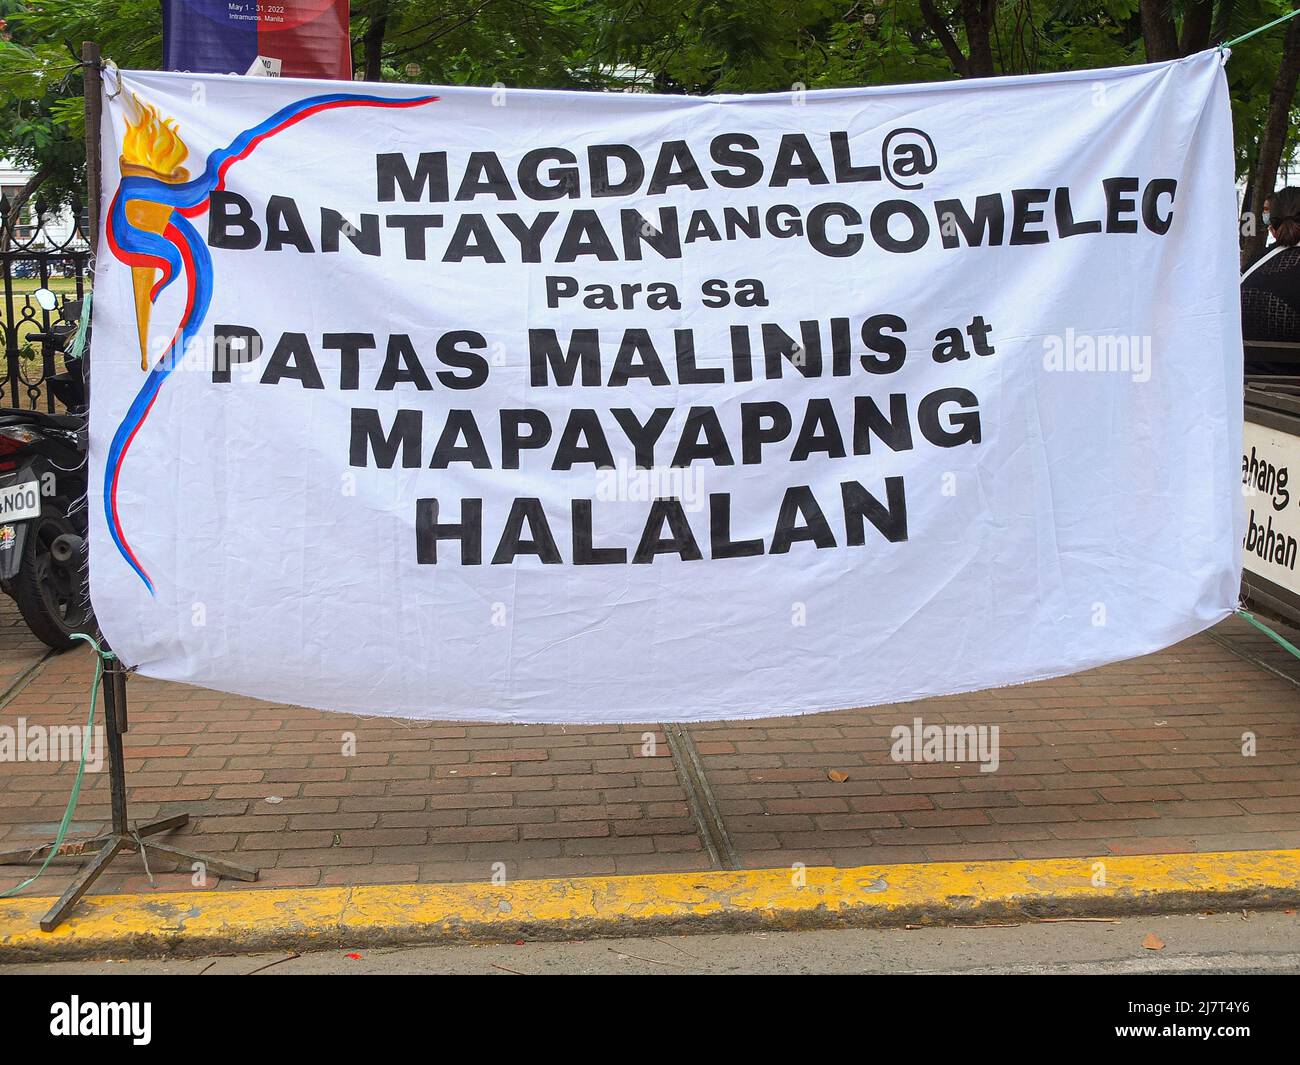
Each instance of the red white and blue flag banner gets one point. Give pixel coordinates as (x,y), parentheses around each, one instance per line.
(291,39)
(507,405)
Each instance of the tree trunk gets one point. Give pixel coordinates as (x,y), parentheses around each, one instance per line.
(1158,32)
(1197,20)
(978,16)
(1273,140)
(372,43)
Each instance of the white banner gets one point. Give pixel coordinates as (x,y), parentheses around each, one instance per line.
(512,405)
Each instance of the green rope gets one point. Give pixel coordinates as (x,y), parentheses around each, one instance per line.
(1266,26)
(1269,632)
(83,324)
(101,656)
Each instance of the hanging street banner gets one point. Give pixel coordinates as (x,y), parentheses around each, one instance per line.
(294,38)
(486,404)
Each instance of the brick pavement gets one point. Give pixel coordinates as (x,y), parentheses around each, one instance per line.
(1140,757)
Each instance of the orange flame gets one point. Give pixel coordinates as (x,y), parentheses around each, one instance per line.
(152,142)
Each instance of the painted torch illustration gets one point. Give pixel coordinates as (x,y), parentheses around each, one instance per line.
(151,148)
(148,228)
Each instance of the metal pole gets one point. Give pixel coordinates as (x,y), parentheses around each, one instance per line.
(114,726)
(92,91)
(90,87)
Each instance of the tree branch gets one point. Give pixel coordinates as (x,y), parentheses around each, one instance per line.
(939,26)
(467,18)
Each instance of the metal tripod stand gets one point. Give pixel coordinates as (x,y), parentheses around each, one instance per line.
(122,837)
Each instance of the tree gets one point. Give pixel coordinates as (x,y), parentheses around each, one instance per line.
(464,41)
(686,46)
(41,118)
(1272,142)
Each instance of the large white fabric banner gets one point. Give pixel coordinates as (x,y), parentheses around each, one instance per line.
(539,406)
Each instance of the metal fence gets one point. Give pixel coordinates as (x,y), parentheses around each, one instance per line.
(52,254)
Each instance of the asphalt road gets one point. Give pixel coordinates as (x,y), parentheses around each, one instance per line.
(1220,943)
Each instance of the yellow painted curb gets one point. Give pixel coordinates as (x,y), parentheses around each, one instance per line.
(924,893)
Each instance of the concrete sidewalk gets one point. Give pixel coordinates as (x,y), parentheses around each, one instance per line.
(1144,757)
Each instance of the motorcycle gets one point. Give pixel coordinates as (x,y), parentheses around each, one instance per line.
(43,478)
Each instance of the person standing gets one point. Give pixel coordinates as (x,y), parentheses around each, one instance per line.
(1270,286)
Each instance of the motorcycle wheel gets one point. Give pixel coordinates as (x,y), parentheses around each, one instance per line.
(51,596)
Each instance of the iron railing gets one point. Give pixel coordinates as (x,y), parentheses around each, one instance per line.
(52,254)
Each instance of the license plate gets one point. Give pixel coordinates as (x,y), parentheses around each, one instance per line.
(19,502)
